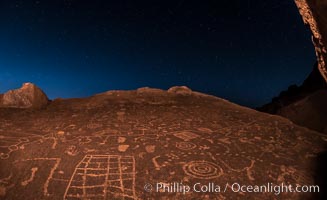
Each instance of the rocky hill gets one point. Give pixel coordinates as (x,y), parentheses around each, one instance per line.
(304,105)
(28,96)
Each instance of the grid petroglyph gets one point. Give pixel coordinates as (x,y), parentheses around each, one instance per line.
(103,177)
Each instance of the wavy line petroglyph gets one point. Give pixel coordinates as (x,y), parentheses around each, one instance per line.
(35,169)
(30,179)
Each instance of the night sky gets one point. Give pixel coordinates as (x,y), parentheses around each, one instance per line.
(245,51)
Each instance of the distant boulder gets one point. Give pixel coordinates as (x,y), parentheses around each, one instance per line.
(28,96)
(182,90)
(148,90)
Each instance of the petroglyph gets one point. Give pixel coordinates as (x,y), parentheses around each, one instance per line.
(60,134)
(212,156)
(55,161)
(33,171)
(224,140)
(71,150)
(84,140)
(6,179)
(150,148)
(5,185)
(202,170)
(141,155)
(186,135)
(55,142)
(104,141)
(13,144)
(287,172)
(93,125)
(155,162)
(4,156)
(121,139)
(123,147)
(87,150)
(205,130)
(204,147)
(120,116)
(103,177)
(185,146)
(249,171)
(172,155)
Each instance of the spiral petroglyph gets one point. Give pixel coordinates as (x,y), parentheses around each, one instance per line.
(202,170)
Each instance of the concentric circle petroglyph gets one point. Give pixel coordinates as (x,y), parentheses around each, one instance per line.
(202,170)
(185,145)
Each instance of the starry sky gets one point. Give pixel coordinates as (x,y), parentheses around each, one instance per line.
(245,51)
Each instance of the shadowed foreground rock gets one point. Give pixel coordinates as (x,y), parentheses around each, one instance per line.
(28,96)
(115,144)
(305,104)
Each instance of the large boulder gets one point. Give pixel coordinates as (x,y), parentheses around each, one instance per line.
(28,96)
(314,14)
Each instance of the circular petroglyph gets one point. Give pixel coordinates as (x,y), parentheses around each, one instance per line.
(202,170)
(13,148)
(185,145)
(23,140)
(4,156)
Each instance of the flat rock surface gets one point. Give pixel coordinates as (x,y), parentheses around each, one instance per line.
(113,145)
